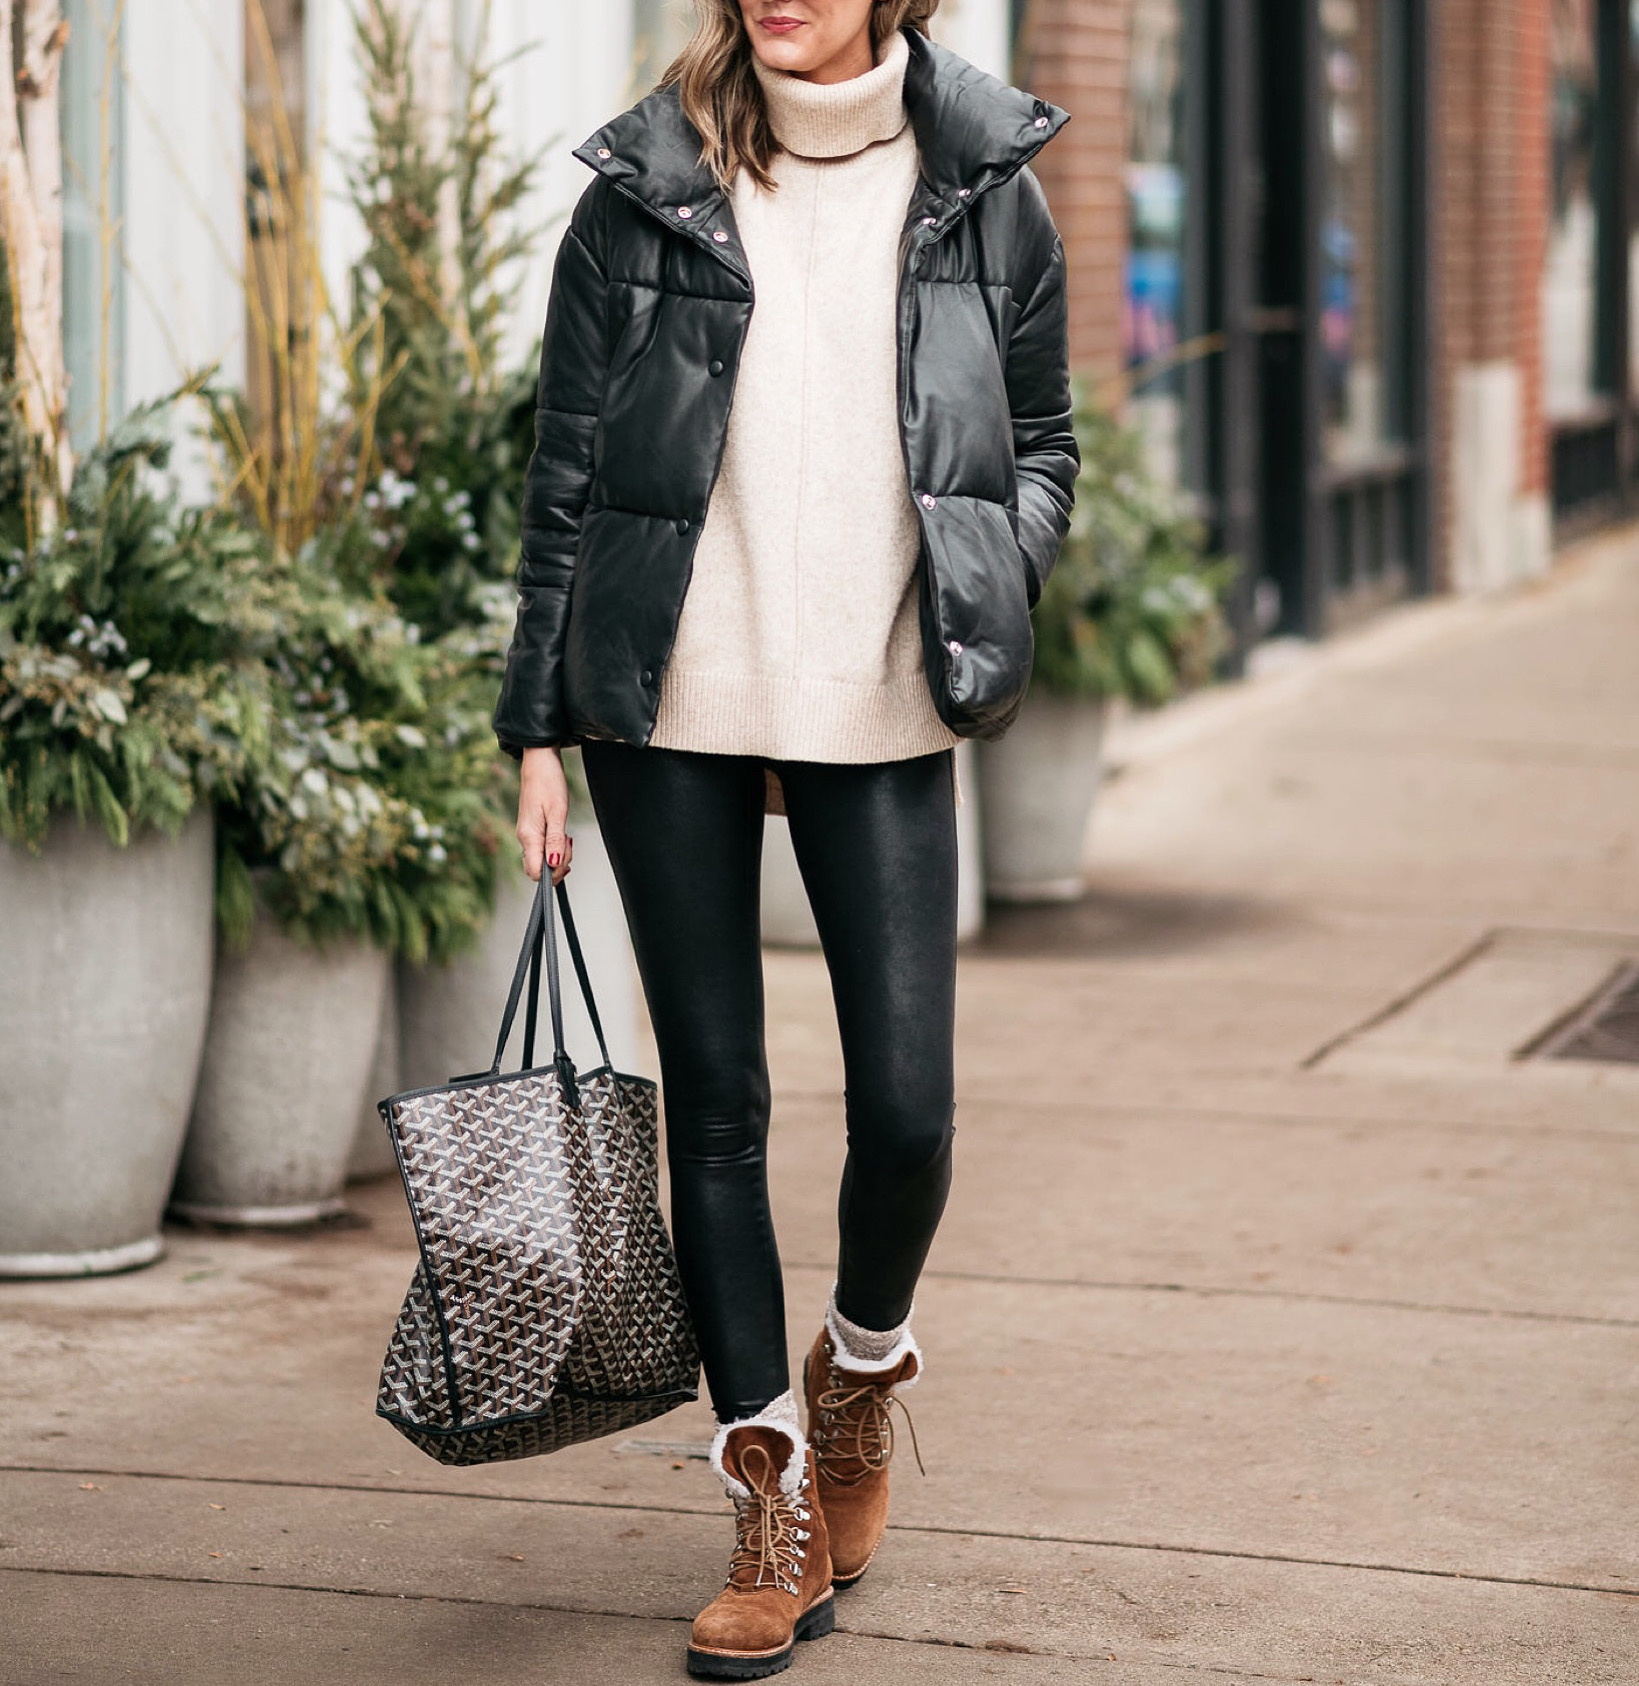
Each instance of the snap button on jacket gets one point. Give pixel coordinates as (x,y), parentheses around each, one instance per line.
(651,297)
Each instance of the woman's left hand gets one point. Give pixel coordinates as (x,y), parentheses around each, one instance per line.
(543,814)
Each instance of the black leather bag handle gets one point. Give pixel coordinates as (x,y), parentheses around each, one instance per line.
(541,939)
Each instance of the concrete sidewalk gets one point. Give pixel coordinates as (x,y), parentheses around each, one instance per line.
(1284,1327)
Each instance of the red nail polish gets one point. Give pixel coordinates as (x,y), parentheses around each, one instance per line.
(552,860)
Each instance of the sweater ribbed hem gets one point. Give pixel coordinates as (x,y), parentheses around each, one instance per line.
(794,717)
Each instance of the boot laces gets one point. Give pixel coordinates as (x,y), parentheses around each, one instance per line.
(771,1544)
(854,1437)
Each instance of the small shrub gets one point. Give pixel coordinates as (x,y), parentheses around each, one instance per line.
(1132,607)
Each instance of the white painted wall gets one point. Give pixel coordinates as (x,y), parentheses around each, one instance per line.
(1485,463)
(978,30)
(564,70)
(337,125)
(1499,533)
(567,67)
(184,191)
(571,68)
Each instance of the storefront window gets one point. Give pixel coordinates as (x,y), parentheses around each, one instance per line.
(1633,206)
(1156,199)
(1362,236)
(1570,315)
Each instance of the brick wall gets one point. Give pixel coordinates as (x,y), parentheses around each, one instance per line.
(1489,159)
(1528,229)
(1075,54)
(1477,201)
(1490,212)
(1470,211)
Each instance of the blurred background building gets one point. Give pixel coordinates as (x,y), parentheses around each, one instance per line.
(1367,267)
(1362,270)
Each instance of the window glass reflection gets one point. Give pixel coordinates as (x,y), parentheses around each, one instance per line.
(1362,257)
(1633,213)
(1569,296)
(1153,313)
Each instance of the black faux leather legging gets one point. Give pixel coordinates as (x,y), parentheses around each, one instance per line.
(877,847)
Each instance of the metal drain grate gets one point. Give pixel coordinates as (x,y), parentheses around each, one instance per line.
(1607,1028)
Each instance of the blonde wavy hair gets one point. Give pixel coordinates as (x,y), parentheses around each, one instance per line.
(723,99)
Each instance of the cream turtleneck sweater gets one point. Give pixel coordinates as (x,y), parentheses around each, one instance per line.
(798,638)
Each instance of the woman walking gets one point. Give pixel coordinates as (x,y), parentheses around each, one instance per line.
(803,461)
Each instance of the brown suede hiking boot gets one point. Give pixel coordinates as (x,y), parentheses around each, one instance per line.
(779,1581)
(852,1436)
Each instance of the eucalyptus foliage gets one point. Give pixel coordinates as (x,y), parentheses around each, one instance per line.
(1132,607)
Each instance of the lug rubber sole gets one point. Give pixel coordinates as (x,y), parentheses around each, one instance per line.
(814,1623)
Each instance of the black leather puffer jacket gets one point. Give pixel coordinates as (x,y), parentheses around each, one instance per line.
(651,297)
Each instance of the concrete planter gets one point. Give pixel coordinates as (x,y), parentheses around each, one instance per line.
(1039,785)
(372,1155)
(105,982)
(788,921)
(293,1035)
(449,1016)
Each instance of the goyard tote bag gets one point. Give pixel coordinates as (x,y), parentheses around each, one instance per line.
(547,1307)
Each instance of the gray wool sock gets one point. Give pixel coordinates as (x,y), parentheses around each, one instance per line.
(864,1346)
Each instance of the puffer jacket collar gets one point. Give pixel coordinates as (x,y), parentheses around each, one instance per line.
(972,132)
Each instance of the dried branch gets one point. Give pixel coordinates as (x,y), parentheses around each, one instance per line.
(31,225)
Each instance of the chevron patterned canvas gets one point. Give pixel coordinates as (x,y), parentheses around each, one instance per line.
(547,1307)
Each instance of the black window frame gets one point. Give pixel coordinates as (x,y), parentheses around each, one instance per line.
(1592,455)
(1325,543)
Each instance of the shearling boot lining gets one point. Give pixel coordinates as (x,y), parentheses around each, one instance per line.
(780,1415)
(906,1343)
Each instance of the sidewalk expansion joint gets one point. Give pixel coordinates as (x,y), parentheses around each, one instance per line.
(1162,1547)
(1508,752)
(1208,1291)
(1149,1660)
(460,1601)
(161,1577)
(972,1098)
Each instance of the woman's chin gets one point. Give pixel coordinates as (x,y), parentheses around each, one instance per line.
(779,53)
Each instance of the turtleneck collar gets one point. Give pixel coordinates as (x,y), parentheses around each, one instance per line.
(834,119)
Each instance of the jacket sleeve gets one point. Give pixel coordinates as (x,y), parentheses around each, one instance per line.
(1038,391)
(557,481)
